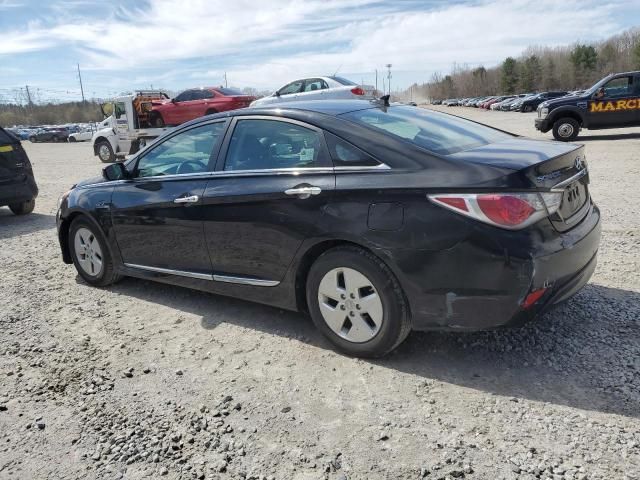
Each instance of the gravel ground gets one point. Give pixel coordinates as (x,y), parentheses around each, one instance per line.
(144,380)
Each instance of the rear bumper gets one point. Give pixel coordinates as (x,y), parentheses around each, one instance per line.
(20,189)
(481,283)
(542,124)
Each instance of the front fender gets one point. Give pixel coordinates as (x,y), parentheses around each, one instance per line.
(94,204)
(568,111)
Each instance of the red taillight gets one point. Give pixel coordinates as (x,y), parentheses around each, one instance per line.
(533,297)
(505,210)
(358,91)
(512,211)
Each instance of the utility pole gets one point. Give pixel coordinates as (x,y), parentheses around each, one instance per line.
(376,79)
(225,80)
(388,65)
(80,78)
(28,95)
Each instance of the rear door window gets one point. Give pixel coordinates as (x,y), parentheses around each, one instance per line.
(314,84)
(433,131)
(258,144)
(345,154)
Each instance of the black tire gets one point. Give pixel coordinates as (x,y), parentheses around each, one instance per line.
(108,157)
(157,120)
(33,139)
(107,275)
(23,208)
(396,321)
(566,129)
(527,108)
(71,139)
(55,139)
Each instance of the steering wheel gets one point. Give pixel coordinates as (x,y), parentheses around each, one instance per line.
(187,167)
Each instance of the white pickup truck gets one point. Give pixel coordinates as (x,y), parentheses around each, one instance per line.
(126,128)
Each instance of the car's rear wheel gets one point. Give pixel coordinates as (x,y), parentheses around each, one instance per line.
(357,303)
(527,108)
(105,152)
(23,208)
(72,139)
(55,139)
(566,129)
(90,254)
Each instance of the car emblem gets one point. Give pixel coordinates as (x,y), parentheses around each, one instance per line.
(579,164)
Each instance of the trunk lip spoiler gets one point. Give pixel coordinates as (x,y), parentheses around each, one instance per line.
(558,187)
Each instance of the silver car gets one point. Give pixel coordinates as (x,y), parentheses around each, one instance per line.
(318,88)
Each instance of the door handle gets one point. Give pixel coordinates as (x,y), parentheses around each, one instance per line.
(191,199)
(303,192)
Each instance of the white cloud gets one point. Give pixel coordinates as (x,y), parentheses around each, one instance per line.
(265,44)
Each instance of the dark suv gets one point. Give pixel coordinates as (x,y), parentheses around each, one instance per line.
(613,102)
(18,187)
(532,102)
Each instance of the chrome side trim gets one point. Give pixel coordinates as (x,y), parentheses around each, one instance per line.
(246,281)
(368,168)
(206,276)
(570,180)
(243,173)
(181,273)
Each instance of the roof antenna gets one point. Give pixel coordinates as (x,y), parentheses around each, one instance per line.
(337,70)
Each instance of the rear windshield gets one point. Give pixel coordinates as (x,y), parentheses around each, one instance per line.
(343,81)
(437,132)
(229,91)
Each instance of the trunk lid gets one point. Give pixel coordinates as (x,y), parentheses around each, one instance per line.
(542,165)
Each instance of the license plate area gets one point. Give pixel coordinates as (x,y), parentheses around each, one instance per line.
(573,207)
(573,198)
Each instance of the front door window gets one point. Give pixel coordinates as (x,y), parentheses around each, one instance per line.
(186,152)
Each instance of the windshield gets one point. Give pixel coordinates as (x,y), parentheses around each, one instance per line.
(437,132)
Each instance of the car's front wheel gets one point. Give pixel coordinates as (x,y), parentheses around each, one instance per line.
(527,108)
(105,152)
(566,129)
(23,208)
(90,254)
(357,303)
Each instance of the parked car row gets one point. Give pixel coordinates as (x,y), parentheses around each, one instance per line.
(523,102)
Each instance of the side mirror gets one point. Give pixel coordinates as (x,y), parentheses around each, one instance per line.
(115,171)
(173,100)
(277,94)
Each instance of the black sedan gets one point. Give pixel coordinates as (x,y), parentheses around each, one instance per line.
(18,189)
(50,134)
(374,219)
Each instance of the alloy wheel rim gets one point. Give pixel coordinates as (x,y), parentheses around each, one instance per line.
(104,152)
(565,130)
(88,252)
(350,305)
